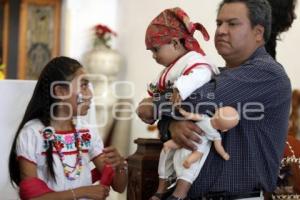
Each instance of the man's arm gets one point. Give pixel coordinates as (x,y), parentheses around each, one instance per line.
(245,85)
(233,87)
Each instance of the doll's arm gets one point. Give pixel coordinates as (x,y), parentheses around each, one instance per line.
(170,144)
(193,157)
(220,149)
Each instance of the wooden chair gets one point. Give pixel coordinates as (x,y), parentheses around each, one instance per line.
(142,169)
(294,117)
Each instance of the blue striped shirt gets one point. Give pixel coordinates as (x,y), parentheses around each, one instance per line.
(255,146)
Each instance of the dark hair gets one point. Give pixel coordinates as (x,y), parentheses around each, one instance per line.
(283,15)
(182,42)
(58,69)
(259,13)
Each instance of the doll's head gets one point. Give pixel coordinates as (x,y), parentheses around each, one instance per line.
(225,118)
(171,31)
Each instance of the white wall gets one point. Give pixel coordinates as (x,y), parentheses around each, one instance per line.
(287,51)
(78,19)
(130,19)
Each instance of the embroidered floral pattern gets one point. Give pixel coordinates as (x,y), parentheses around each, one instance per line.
(58,145)
(48,133)
(69,141)
(65,141)
(59,142)
(86,137)
(153,88)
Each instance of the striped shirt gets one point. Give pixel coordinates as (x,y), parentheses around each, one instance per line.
(260,90)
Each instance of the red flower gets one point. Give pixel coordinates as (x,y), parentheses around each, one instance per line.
(86,137)
(103,35)
(101,30)
(58,145)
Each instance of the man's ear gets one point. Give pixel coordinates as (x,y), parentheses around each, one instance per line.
(259,32)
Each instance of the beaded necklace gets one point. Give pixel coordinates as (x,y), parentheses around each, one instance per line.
(50,136)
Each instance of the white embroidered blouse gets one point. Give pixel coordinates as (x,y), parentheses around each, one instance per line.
(32,146)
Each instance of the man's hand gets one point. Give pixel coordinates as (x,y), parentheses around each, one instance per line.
(183,133)
(190,116)
(145,111)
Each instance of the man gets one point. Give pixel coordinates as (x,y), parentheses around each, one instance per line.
(258,87)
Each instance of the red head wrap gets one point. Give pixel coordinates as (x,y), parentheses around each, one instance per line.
(174,23)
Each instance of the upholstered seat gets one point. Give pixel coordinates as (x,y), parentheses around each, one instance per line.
(15,95)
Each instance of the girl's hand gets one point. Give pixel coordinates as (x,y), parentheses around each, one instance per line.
(96,192)
(112,156)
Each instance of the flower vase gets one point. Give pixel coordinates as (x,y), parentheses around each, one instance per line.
(103,65)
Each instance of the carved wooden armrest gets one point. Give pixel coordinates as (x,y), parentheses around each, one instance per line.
(294,117)
(142,169)
(288,185)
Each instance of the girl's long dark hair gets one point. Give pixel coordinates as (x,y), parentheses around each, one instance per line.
(58,69)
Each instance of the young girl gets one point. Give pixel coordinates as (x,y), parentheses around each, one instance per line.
(51,151)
